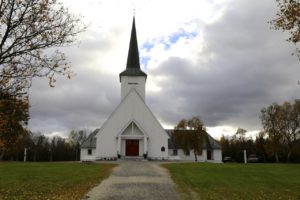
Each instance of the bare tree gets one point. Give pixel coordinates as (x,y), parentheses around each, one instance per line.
(30,32)
(39,142)
(240,135)
(77,137)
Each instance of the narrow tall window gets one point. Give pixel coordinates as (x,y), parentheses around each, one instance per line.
(89,151)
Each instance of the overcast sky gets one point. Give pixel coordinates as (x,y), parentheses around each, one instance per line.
(217,59)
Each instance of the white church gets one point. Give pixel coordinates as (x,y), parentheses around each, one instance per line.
(132,130)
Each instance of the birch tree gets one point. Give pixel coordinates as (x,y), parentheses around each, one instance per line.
(190,134)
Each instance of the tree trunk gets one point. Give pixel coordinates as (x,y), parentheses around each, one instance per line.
(289,157)
(78,157)
(1,155)
(34,156)
(51,155)
(195,156)
(77,154)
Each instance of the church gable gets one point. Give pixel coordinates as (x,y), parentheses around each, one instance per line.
(132,129)
(132,109)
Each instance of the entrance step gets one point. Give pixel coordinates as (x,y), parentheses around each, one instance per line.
(134,158)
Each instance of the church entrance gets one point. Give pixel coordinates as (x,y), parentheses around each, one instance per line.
(132,147)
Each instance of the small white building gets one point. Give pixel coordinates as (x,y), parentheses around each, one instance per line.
(211,150)
(131,130)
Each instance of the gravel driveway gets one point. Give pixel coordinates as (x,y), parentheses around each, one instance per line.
(136,180)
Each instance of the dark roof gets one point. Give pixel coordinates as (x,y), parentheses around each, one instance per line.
(211,143)
(133,59)
(208,143)
(90,141)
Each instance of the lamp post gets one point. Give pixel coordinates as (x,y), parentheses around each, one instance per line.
(25,154)
(245,156)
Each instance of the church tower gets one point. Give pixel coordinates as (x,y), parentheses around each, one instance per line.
(133,76)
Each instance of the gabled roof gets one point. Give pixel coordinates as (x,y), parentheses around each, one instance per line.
(136,124)
(211,143)
(90,142)
(132,91)
(208,143)
(133,59)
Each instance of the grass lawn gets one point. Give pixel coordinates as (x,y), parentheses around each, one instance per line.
(49,180)
(237,181)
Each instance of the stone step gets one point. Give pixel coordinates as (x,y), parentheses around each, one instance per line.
(134,158)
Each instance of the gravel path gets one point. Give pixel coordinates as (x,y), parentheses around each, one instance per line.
(133,180)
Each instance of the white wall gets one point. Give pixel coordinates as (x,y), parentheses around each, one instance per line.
(190,157)
(84,155)
(141,147)
(137,82)
(123,148)
(216,156)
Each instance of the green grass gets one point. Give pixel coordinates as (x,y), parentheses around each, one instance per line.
(237,181)
(49,180)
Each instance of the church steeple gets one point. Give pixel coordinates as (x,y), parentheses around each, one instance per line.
(133,60)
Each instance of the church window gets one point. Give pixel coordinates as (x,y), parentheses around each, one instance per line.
(175,153)
(89,151)
(163,149)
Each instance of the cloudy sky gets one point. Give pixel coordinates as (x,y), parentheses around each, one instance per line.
(217,59)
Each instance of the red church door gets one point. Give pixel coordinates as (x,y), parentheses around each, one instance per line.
(132,147)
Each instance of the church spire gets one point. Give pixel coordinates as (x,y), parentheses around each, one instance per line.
(133,59)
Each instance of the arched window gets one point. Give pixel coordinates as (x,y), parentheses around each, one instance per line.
(163,149)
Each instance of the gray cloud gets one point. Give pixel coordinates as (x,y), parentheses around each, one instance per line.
(249,67)
(82,102)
